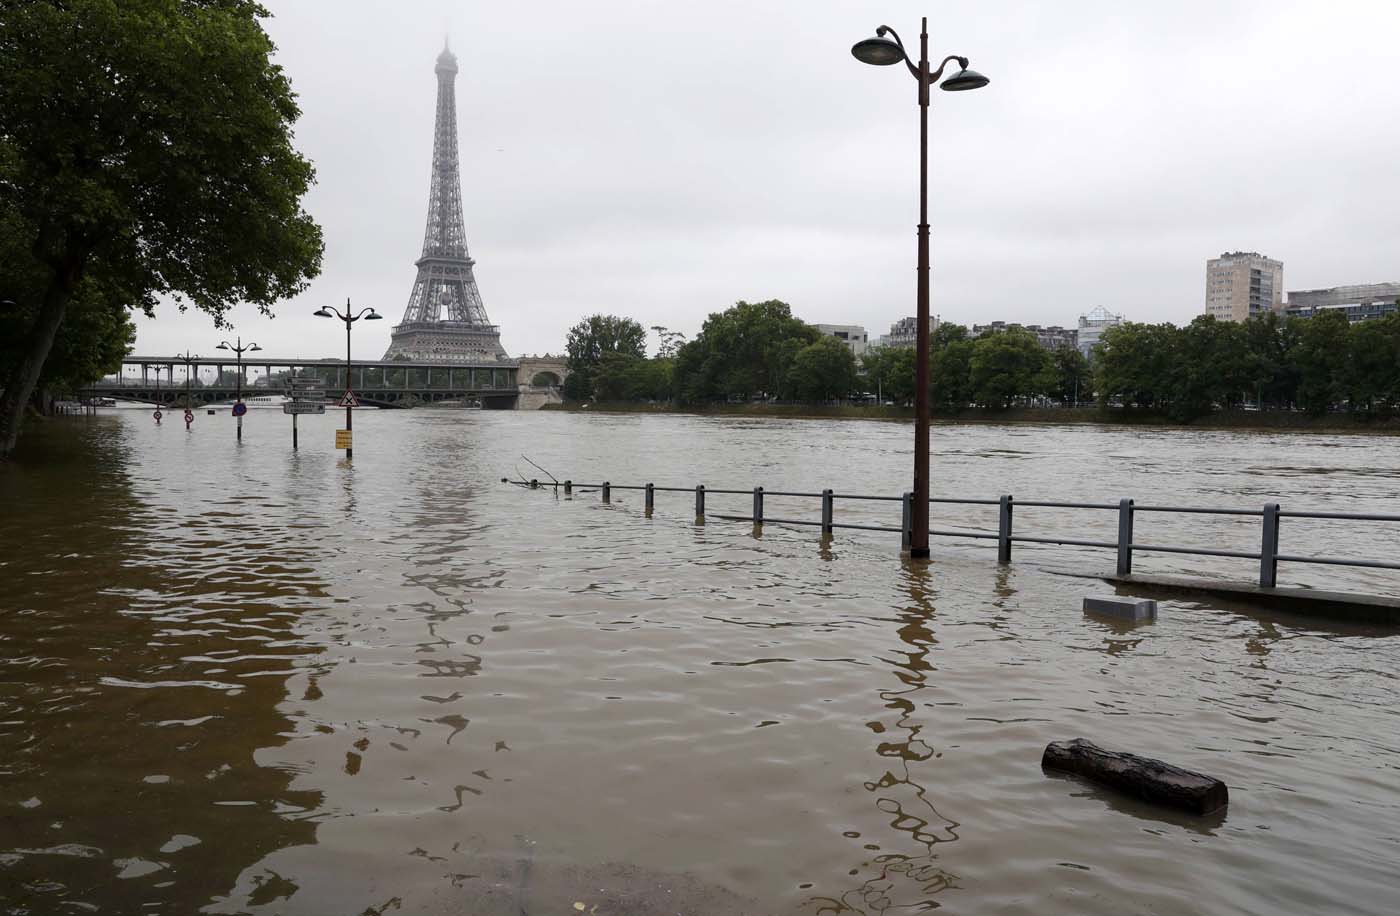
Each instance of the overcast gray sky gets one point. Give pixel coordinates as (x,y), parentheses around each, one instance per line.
(663,160)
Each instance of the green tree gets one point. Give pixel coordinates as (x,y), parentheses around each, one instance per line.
(824,370)
(1134,364)
(746,350)
(950,367)
(1372,375)
(593,339)
(1212,367)
(1069,381)
(145,149)
(1006,365)
(1321,355)
(889,372)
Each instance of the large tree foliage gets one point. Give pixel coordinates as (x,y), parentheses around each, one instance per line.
(1006,365)
(1069,376)
(889,373)
(823,370)
(744,351)
(593,340)
(146,151)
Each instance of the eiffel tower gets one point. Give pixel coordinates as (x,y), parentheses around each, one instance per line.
(445,283)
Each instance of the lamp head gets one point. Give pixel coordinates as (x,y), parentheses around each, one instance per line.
(878,51)
(223,346)
(253,348)
(373,316)
(964,80)
(322,313)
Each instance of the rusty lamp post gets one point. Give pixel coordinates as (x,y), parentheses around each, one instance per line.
(883,52)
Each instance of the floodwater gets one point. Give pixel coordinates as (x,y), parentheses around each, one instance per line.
(239,679)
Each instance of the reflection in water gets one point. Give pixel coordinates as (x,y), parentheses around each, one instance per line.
(138,687)
(904,882)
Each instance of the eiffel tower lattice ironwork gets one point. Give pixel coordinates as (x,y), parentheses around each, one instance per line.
(445,282)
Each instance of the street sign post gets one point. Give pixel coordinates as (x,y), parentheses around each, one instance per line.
(157,416)
(308,396)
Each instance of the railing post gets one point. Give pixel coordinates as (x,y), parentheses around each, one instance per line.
(699,504)
(828,507)
(758,505)
(568,488)
(1004,530)
(650,498)
(906,525)
(607,491)
(1125,537)
(1268,551)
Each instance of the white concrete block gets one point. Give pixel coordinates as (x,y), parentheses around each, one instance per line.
(1122,608)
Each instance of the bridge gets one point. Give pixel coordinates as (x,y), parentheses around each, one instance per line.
(378,383)
(504,385)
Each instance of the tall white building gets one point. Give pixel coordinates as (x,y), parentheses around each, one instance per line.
(1241,284)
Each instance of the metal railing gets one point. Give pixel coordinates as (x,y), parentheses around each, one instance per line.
(1125,544)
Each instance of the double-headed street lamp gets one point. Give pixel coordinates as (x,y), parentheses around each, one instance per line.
(882,52)
(239,349)
(188,359)
(369,314)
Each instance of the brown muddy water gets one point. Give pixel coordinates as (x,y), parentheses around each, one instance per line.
(239,679)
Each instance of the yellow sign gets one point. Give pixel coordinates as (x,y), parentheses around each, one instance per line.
(342,438)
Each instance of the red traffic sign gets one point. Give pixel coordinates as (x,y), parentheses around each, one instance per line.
(189,415)
(240,409)
(349,400)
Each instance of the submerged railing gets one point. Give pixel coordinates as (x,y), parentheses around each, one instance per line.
(1125,544)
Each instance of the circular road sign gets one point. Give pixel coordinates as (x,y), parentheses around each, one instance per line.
(189,415)
(240,409)
(157,415)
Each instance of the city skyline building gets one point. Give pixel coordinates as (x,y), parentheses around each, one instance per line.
(1340,296)
(446,283)
(1091,328)
(852,335)
(1240,284)
(1050,337)
(905,332)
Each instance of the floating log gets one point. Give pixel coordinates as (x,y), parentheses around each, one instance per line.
(1147,779)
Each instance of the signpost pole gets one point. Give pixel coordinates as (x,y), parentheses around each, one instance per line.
(294,432)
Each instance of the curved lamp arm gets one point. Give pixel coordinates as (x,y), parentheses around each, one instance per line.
(936,75)
(907,62)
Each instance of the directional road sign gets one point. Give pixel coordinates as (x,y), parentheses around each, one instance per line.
(303,407)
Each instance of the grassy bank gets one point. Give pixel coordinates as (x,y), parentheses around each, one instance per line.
(1117,416)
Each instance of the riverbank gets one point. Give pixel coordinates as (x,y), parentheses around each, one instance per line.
(1238,419)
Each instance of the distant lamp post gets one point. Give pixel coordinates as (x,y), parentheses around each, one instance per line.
(368,314)
(883,52)
(188,359)
(239,349)
(157,414)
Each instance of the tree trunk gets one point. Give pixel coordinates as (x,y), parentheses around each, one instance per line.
(1148,779)
(19,387)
